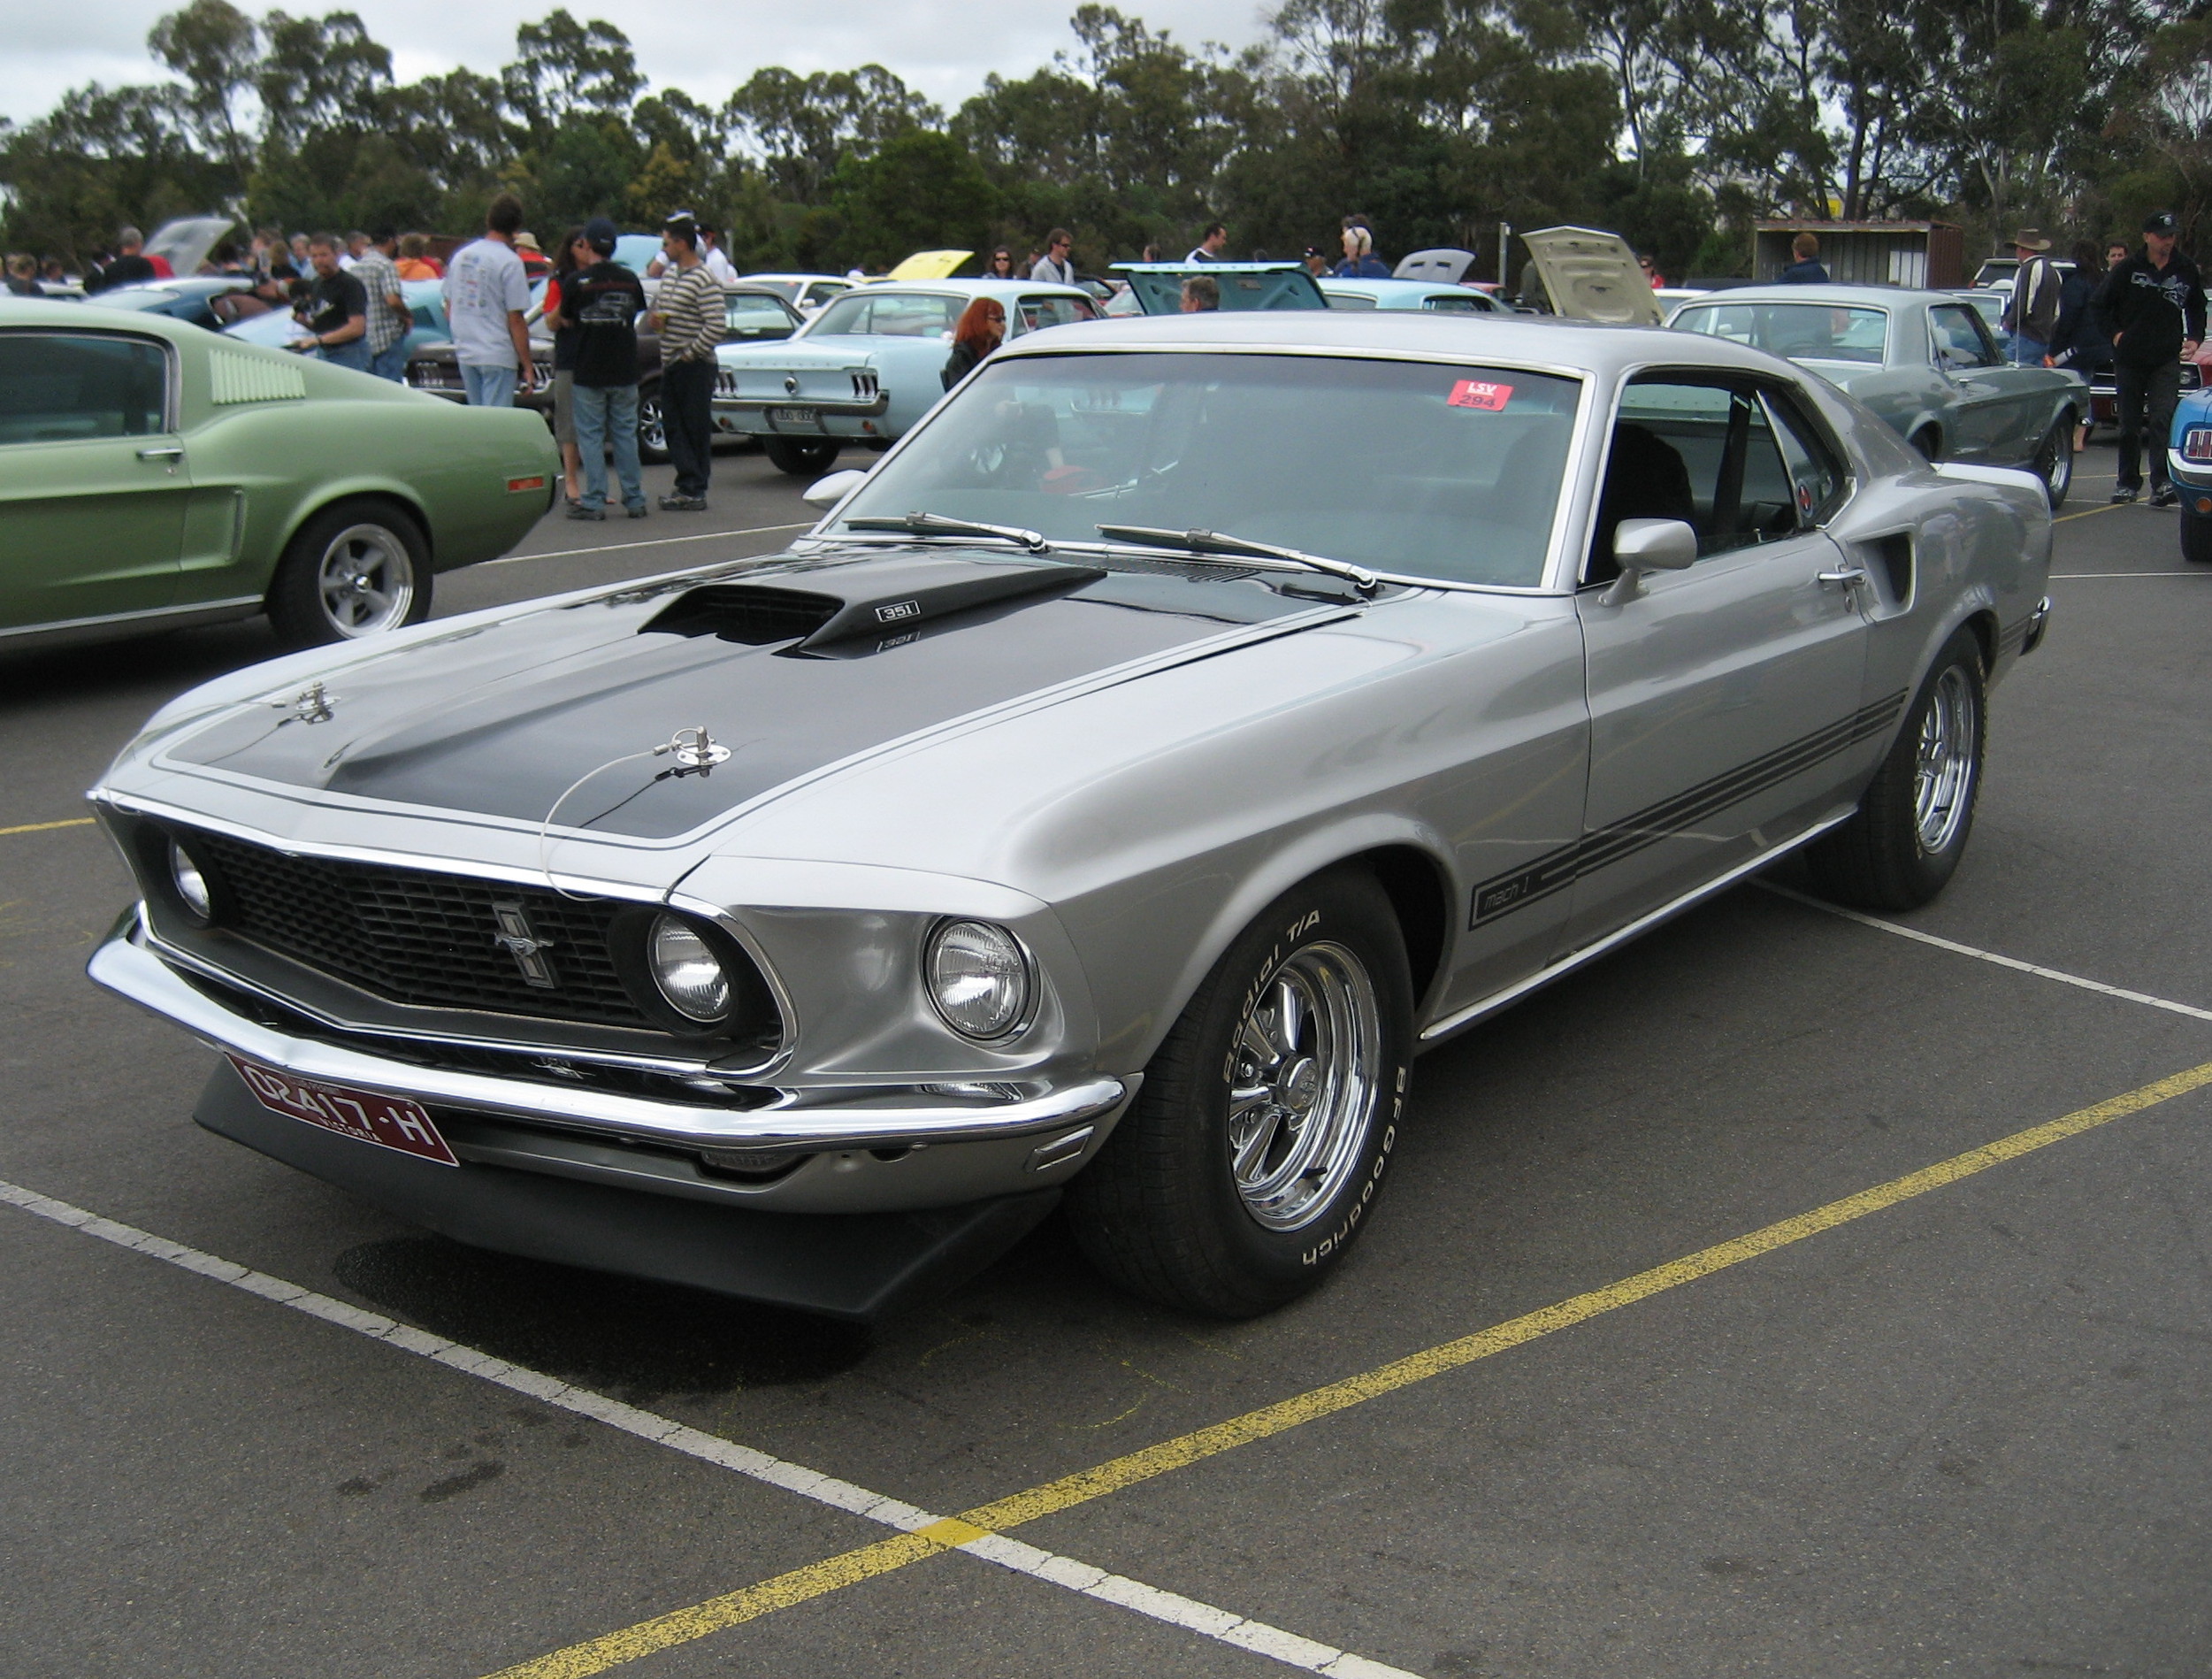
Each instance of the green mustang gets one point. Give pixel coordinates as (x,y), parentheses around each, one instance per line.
(153,474)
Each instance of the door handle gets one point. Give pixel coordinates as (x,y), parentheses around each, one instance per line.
(1847,577)
(164,452)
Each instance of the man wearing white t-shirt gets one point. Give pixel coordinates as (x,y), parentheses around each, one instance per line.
(487,294)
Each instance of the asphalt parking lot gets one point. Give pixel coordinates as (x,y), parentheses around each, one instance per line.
(1702,1332)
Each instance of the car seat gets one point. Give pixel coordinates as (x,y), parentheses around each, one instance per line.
(1645,478)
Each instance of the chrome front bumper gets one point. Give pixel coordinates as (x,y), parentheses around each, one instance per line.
(816,1120)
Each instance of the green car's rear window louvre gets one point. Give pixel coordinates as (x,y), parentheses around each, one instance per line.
(234,378)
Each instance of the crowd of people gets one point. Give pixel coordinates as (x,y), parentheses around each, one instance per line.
(2137,315)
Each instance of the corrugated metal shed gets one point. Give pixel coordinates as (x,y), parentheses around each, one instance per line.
(1869,253)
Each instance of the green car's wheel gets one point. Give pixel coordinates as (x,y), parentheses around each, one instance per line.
(801,458)
(356,569)
(1253,1154)
(652,430)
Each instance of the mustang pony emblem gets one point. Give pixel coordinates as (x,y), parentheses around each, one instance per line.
(515,938)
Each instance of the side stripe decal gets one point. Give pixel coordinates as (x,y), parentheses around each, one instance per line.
(1558,869)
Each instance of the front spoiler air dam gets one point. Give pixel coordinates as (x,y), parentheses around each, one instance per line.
(812,1120)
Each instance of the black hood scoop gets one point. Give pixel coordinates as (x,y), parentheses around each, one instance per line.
(889,599)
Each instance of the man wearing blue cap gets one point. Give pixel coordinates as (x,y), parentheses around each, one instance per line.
(2151,306)
(602,303)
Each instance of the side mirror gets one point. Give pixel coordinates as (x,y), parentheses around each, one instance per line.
(1649,545)
(826,493)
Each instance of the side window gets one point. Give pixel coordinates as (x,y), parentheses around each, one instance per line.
(1349,300)
(1960,339)
(1446,304)
(1815,471)
(1054,311)
(909,314)
(1702,453)
(64,387)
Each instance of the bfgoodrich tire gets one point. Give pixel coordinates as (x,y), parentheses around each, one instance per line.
(355,569)
(800,458)
(1902,845)
(1253,1155)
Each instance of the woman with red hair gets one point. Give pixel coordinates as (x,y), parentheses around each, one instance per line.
(980,329)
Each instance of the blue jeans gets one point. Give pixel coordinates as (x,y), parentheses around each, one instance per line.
(2027,352)
(353,353)
(490,387)
(599,410)
(390,361)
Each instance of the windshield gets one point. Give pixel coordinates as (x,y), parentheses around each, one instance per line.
(1801,332)
(889,314)
(1409,467)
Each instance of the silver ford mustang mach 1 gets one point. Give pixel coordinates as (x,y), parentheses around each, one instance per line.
(1189,723)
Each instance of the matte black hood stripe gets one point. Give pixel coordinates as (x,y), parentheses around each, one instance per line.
(1558,869)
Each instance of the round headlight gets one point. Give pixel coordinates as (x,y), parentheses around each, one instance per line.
(979,979)
(192,891)
(688,972)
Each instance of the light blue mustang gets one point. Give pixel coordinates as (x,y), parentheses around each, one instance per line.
(866,368)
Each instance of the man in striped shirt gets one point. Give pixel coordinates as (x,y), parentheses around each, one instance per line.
(691,315)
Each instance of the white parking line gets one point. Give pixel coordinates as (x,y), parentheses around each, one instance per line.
(2013,963)
(658,542)
(2056,577)
(1187,1614)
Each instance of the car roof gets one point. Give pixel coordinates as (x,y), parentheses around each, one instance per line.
(999,289)
(838,278)
(30,311)
(1855,296)
(1380,289)
(1524,340)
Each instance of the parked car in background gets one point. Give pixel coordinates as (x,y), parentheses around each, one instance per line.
(1157,287)
(425,301)
(1926,362)
(866,368)
(154,475)
(804,293)
(2189,462)
(1188,722)
(755,315)
(187,300)
(1437,299)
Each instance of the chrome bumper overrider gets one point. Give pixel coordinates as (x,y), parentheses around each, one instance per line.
(813,1120)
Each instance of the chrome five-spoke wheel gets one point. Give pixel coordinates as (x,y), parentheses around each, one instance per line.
(1943,776)
(365,581)
(1302,1093)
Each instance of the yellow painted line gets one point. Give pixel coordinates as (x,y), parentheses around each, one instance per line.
(985,1520)
(663,1632)
(42,827)
(2092,512)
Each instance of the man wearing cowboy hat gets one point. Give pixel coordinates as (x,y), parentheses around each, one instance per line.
(2034,312)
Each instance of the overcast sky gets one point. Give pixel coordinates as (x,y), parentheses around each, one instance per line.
(706,48)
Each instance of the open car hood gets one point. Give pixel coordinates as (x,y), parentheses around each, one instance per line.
(1159,286)
(186,241)
(1592,275)
(930,264)
(1446,266)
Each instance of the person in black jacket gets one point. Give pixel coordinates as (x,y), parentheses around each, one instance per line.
(2076,343)
(2151,309)
(980,329)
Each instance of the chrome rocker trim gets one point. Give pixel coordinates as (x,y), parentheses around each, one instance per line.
(843,408)
(812,1120)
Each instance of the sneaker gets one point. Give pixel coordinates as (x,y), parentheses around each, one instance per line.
(638,511)
(682,504)
(2125,493)
(581,511)
(2165,495)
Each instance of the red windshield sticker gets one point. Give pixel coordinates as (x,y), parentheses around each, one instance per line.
(1475,392)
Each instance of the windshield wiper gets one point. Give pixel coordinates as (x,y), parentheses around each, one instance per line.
(1215,542)
(937,525)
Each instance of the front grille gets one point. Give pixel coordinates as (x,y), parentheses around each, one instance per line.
(415,937)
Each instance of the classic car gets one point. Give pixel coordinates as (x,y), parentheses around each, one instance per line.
(187,300)
(1407,294)
(425,301)
(804,293)
(756,315)
(154,475)
(1105,800)
(2189,463)
(1926,362)
(1156,288)
(866,367)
